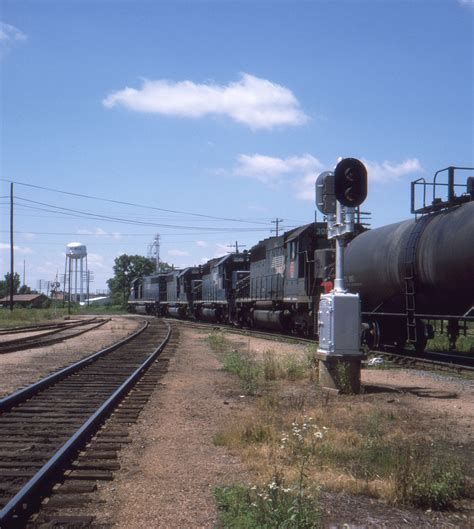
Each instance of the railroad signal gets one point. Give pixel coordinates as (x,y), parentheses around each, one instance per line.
(325,197)
(350,182)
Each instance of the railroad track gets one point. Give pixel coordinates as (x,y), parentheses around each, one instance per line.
(432,360)
(48,334)
(41,326)
(45,426)
(221,327)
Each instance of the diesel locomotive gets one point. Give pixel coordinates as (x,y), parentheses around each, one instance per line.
(408,274)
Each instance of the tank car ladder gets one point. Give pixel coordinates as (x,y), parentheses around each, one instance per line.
(410,277)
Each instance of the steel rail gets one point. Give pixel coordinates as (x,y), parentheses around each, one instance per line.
(427,362)
(45,326)
(39,340)
(37,484)
(22,394)
(245,332)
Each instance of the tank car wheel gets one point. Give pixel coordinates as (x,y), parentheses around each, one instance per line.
(371,336)
(424,332)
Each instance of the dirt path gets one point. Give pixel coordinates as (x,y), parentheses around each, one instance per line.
(172,466)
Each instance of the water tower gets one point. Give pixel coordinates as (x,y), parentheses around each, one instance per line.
(76,254)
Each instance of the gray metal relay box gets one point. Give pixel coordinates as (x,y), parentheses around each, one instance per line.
(339,335)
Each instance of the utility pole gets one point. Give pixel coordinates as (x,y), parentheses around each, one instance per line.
(12,262)
(236,246)
(277,224)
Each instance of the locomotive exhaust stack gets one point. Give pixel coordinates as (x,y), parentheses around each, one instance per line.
(339,315)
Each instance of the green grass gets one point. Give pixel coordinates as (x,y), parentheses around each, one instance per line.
(464,344)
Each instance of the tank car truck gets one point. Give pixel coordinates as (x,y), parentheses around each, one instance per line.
(412,273)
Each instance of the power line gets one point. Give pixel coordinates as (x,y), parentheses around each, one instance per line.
(96,216)
(91,197)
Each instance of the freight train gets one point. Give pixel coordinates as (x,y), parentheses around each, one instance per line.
(408,274)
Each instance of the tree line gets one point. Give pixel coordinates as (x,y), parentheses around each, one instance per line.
(18,288)
(127,268)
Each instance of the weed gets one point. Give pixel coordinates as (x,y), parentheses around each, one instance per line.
(271,366)
(294,369)
(269,507)
(312,364)
(343,377)
(246,368)
(427,478)
(297,401)
(218,342)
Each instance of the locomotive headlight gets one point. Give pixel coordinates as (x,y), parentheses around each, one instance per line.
(350,182)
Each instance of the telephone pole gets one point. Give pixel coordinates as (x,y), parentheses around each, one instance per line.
(12,263)
(277,222)
(236,246)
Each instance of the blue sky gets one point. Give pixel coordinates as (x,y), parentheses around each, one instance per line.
(225,109)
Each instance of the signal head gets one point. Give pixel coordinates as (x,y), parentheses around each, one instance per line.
(325,199)
(350,184)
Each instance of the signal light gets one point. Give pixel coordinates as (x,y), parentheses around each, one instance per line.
(350,184)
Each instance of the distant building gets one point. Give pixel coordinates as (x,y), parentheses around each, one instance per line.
(25,300)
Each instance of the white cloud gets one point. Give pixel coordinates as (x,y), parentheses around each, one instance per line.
(305,187)
(94,260)
(178,253)
(271,170)
(9,33)
(390,171)
(221,249)
(255,102)
(202,244)
(17,249)
(301,172)
(466,2)
(99,232)
(29,236)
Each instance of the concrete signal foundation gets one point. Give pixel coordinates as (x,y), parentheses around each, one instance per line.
(339,373)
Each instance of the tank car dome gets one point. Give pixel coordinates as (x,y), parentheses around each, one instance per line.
(76,250)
